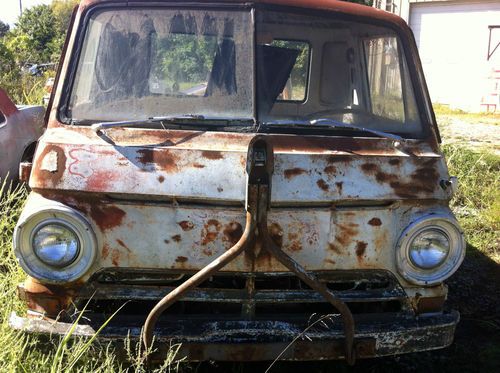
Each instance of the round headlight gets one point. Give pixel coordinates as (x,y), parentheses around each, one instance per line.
(56,245)
(430,249)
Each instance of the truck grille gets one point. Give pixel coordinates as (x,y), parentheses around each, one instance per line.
(241,296)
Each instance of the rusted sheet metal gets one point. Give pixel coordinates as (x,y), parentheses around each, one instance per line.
(19,127)
(48,300)
(307,170)
(223,340)
(189,237)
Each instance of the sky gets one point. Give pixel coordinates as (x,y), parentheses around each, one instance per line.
(9,9)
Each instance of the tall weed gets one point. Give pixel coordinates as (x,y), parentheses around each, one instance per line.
(477,201)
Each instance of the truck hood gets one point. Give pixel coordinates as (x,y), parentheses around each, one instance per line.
(209,167)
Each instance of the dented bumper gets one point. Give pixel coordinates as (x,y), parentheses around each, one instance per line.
(375,335)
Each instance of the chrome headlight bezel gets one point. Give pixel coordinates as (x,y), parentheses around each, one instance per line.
(446,224)
(60,215)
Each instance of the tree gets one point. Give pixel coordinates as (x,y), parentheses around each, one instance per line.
(4,29)
(38,24)
(62,10)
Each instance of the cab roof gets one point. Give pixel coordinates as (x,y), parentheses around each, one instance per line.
(336,6)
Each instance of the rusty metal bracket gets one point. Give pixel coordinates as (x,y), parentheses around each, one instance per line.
(260,167)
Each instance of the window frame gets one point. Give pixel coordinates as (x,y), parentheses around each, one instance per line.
(308,72)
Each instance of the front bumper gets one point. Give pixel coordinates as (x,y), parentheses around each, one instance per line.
(375,335)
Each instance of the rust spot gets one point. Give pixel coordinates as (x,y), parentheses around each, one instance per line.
(295,246)
(106,217)
(47,299)
(334,248)
(330,170)
(346,233)
(52,177)
(213,155)
(161,179)
(423,180)
(276,234)
(122,244)
(162,159)
(349,229)
(101,180)
(198,165)
(383,177)
(330,261)
(115,257)
(210,231)
(181,259)
(105,252)
(323,185)
(186,225)
(376,222)
(232,233)
(292,236)
(339,185)
(292,172)
(207,252)
(360,249)
(146,156)
(176,238)
(430,304)
(343,240)
(395,162)
(369,167)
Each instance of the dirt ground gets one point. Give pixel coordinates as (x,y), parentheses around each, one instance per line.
(472,131)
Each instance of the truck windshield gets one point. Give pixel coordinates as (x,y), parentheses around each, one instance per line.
(141,63)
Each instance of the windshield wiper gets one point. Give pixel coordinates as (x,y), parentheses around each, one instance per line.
(331,123)
(183,119)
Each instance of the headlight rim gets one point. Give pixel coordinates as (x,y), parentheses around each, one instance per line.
(34,266)
(430,277)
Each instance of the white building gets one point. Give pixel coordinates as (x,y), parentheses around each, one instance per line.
(459,44)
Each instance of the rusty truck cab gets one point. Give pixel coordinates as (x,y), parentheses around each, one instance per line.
(239,172)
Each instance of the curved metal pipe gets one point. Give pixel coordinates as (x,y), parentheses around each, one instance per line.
(312,281)
(197,279)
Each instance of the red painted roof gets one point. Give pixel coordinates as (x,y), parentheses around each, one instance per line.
(327,5)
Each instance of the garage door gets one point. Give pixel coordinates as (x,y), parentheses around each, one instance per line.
(452,38)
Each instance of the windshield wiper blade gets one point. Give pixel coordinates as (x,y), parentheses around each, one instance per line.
(331,123)
(182,119)
(98,127)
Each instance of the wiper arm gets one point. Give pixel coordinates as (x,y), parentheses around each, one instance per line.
(98,127)
(331,123)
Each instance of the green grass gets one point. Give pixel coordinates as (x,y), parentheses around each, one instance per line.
(445,110)
(477,202)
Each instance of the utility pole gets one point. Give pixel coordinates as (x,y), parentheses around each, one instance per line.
(20,7)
